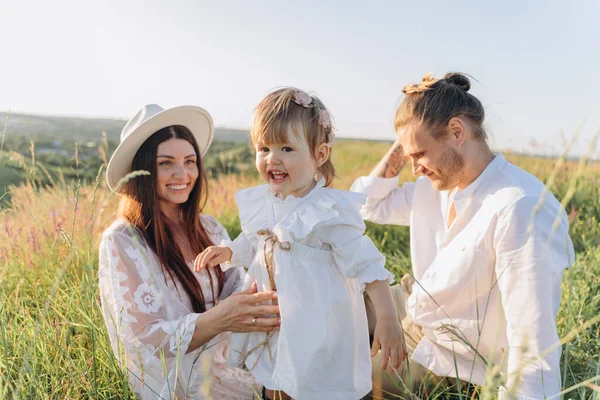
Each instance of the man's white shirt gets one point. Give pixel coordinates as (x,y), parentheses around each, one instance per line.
(488,286)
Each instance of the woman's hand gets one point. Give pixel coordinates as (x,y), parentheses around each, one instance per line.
(388,337)
(243,312)
(240,312)
(211,256)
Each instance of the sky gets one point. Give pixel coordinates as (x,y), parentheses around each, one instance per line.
(535,62)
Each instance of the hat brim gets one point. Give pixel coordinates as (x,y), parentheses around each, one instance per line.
(196,119)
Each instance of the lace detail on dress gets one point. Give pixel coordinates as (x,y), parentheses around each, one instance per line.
(151,324)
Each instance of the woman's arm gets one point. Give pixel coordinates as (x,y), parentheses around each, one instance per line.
(140,309)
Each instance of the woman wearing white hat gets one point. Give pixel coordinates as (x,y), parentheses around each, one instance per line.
(169,326)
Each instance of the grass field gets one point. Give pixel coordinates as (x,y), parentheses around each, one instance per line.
(53,344)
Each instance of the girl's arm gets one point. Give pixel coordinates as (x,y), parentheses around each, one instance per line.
(239,252)
(357,257)
(388,331)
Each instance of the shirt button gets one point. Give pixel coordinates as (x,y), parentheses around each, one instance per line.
(420,306)
(427,276)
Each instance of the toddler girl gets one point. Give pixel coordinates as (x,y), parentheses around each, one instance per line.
(307,242)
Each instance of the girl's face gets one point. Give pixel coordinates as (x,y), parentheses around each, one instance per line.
(289,168)
(176,171)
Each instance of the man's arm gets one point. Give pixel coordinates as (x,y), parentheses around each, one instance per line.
(386,202)
(392,163)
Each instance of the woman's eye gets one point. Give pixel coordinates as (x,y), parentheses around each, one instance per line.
(264,149)
(287,149)
(164,163)
(190,162)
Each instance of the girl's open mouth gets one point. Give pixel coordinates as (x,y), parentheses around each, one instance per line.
(277,176)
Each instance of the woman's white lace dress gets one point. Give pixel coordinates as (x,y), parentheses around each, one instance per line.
(321,261)
(151,323)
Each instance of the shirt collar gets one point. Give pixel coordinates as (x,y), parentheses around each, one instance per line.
(473,186)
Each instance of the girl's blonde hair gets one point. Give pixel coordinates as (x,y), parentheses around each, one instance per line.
(293,107)
(433,102)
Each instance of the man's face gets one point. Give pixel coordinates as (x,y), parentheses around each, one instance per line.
(437,159)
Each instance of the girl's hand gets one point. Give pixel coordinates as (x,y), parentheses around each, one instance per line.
(243,312)
(211,256)
(388,337)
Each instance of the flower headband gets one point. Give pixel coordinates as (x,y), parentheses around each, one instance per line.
(305,100)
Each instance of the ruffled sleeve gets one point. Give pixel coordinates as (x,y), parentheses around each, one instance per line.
(139,321)
(342,227)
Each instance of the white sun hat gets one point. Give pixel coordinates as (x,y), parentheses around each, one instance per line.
(148,121)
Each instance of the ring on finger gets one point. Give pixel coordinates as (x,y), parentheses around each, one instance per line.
(254,321)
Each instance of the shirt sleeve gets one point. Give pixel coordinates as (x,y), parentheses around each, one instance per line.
(386,202)
(133,305)
(355,254)
(530,258)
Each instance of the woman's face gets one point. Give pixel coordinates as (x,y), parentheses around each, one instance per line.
(176,171)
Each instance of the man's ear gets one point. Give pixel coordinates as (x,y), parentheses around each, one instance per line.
(322,154)
(457,131)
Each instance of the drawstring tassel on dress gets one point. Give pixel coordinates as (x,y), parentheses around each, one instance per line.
(272,240)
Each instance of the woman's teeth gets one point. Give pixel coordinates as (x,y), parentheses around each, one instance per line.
(177,187)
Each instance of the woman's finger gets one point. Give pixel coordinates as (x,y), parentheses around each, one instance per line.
(265,310)
(267,322)
(251,290)
(262,329)
(263,296)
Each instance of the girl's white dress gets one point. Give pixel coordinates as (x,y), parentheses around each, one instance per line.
(150,322)
(321,260)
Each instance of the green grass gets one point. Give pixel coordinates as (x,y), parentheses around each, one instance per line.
(53,343)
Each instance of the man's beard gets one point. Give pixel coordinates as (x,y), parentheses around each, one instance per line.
(452,170)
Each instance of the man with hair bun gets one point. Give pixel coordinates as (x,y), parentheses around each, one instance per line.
(488,247)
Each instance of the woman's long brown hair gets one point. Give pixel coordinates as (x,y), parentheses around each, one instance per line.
(140,207)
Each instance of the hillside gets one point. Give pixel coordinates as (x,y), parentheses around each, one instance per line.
(85,129)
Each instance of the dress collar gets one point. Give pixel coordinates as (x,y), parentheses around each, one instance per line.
(291,198)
